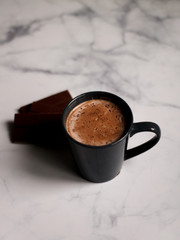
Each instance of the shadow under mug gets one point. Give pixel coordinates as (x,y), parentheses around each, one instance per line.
(103,163)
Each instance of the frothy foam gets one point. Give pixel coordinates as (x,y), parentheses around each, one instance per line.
(96,122)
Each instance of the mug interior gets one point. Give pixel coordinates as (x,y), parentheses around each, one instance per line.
(126,111)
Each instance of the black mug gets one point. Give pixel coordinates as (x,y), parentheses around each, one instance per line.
(103,163)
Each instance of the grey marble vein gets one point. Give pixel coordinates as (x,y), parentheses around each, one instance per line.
(8,191)
(17,31)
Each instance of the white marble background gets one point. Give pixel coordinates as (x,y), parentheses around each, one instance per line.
(128,47)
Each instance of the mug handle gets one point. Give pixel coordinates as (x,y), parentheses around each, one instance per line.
(143,127)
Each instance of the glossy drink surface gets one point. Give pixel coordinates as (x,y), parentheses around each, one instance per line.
(96,122)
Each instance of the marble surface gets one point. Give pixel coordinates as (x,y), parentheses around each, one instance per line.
(130,48)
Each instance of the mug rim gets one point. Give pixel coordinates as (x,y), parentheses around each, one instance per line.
(89,93)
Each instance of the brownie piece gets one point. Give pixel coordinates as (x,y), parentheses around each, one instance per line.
(40,121)
(36,119)
(52,104)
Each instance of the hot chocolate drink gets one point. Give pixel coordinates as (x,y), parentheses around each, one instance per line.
(96,122)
